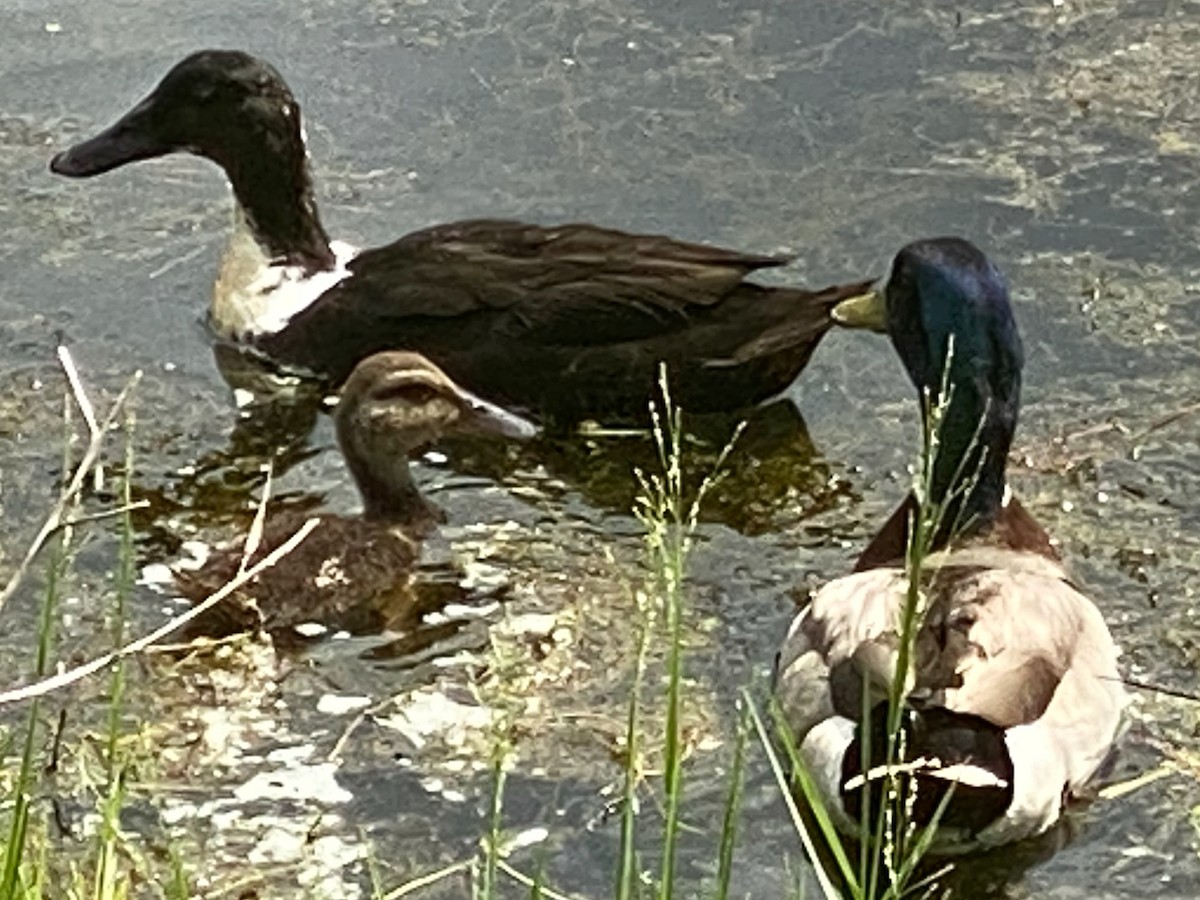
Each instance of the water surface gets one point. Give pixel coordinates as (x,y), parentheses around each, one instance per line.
(1061,137)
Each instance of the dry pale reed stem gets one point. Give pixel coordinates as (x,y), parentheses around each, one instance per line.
(61,680)
(96,433)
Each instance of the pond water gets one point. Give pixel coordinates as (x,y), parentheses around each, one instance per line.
(1063,137)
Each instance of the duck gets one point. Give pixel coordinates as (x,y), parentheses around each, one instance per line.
(353,573)
(569,321)
(1014,698)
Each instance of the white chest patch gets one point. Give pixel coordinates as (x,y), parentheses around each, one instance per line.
(254,296)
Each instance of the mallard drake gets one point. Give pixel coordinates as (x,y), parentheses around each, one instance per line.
(569,321)
(1015,698)
(353,574)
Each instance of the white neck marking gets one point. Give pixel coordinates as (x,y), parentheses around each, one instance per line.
(255,295)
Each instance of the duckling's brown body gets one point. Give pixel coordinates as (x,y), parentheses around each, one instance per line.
(355,574)
(349,574)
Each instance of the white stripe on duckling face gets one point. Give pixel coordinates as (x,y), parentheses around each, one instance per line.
(255,296)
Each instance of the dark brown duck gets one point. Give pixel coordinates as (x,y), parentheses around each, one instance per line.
(354,574)
(569,321)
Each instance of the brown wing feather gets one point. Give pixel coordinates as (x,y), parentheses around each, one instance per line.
(792,331)
(1003,627)
(575,282)
(576,256)
(997,640)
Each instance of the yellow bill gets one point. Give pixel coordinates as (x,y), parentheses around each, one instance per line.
(864,311)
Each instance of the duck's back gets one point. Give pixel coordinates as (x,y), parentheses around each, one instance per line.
(571,320)
(1008,646)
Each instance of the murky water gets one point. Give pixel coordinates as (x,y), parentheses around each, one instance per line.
(1063,137)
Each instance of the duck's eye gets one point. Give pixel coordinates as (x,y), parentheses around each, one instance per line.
(411,394)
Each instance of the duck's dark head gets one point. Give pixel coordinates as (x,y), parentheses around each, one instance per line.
(394,403)
(235,110)
(947,311)
(215,103)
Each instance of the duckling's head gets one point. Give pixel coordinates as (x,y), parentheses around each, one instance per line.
(396,402)
(947,311)
(219,104)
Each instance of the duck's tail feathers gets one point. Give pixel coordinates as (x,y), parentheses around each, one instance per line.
(945,752)
(810,319)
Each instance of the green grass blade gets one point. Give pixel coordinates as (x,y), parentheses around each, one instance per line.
(177,887)
(808,788)
(495,818)
(627,864)
(14,848)
(539,878)
(107,882)
(733,806)
(673,756)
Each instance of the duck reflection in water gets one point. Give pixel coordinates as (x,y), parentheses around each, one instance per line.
(773,478)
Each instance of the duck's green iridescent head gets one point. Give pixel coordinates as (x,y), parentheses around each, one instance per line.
(945,289)
(946,309)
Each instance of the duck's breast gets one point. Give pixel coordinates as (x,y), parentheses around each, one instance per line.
(255,295)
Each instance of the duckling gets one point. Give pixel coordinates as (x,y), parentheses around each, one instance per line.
(354,574)
(568,321)
(1015,698)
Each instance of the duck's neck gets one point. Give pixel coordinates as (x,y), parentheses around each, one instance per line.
(974,438)
(390,496)
(273,187)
